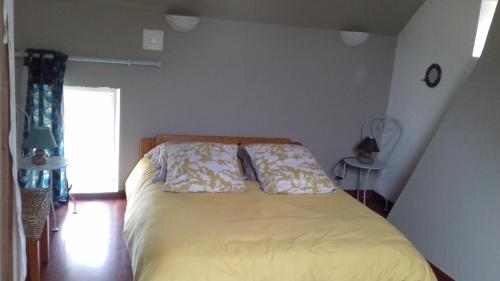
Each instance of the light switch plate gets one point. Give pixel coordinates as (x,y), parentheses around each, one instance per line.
(152,40)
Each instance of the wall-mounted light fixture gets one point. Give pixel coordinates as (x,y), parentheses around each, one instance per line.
(182,23)
(486,14)
(354,38)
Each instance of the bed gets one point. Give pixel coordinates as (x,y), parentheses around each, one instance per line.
(258,236)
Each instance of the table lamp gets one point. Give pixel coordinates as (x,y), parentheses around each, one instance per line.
(367,146)
(40,138)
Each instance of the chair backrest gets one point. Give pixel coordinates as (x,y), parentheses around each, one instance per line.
(388,131)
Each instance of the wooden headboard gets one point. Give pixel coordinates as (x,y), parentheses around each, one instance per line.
(149,143)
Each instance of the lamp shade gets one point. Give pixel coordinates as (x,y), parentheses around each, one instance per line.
(369,144)
(41,138)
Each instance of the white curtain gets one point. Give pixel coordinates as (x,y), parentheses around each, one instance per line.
(18,243)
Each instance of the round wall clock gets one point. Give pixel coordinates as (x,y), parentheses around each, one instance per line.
(433,75)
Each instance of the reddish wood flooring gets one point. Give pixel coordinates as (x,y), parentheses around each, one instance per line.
(89,245)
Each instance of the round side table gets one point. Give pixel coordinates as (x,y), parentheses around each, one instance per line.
(53,163)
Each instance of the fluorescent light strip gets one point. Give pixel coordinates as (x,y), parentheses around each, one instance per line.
(486,14)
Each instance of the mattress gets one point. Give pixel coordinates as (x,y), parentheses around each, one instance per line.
(256,236)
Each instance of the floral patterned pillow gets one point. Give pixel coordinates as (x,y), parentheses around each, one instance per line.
(288,168)
(158,156)
(203,167)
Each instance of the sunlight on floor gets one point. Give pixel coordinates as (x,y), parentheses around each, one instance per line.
(86,235)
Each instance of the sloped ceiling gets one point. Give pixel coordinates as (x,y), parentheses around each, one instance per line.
(376,16)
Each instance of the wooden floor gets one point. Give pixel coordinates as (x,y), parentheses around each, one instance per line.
(89,245)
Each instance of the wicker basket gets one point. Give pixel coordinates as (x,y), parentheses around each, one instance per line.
(35,209)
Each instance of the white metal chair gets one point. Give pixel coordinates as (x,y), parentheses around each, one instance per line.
(388,132)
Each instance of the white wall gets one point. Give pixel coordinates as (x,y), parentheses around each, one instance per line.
(223,78)
(450,207)
(443,32)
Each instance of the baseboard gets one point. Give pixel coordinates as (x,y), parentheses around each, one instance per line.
(369,193)
(382,199)
(105,195)
(441,275)
(372,195)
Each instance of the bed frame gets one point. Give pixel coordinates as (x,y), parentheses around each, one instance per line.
(149,143)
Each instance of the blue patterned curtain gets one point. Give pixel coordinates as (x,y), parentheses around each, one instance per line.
(44,105)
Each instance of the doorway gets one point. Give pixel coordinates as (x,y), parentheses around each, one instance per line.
(91,138)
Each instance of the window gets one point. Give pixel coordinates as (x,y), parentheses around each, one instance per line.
(486,14)
(91,138)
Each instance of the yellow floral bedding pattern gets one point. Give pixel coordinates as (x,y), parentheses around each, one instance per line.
(158,157)
(202,167)
(288,168)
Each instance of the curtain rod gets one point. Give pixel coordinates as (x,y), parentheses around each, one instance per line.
(128,62)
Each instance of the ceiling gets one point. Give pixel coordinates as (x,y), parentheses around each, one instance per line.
(375,16)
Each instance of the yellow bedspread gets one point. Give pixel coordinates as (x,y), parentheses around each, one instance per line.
(257,236)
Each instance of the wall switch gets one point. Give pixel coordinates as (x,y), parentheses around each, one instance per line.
(152,40)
